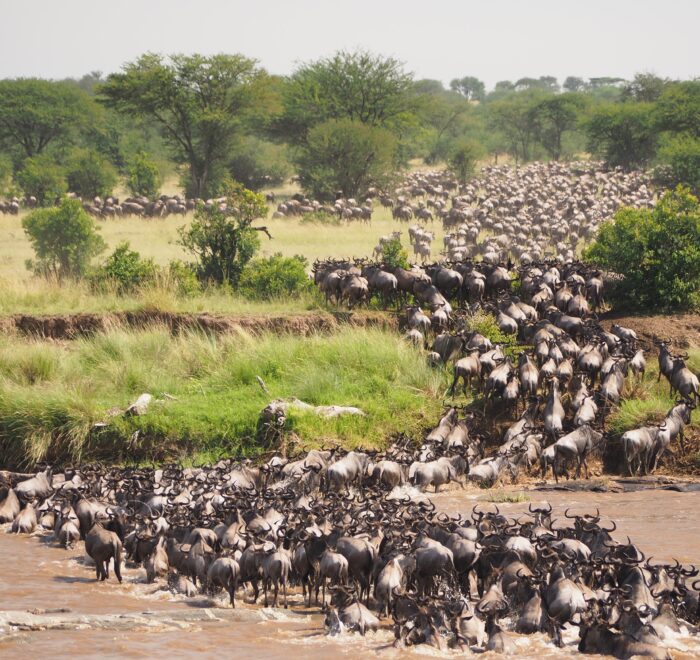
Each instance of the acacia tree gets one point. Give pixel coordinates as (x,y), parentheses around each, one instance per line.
(469,87)
(556,115)
(623,134)
(574,84)
(518,121)
(35,114)
(359,86)
(200,104)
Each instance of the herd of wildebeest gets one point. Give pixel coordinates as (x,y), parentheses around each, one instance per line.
(339,526)
(355,530)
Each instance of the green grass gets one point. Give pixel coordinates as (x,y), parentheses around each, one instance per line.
(52,394)
(39,296)
(647,402)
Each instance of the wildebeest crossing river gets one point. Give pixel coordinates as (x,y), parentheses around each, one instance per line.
(50,599)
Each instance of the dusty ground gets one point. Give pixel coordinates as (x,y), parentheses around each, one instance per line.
(682,329)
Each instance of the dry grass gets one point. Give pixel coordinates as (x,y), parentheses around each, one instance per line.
(20,292)
(157,238)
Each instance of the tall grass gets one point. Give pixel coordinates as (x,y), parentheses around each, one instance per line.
(52,395)
(645,402)
(46,297)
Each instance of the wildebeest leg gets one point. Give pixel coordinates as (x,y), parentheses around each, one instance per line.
(284,589)
(277,591)
(232,586)
(265,585)
(98,570)
(323,580)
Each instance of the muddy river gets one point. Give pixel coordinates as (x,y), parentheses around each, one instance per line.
(50,603)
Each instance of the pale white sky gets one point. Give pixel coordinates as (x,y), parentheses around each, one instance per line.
(491,39)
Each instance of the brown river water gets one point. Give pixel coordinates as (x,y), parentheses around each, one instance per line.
(37,576)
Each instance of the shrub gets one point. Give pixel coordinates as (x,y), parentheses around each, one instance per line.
(657,251)
(257,163)
(348,156)
(462,159)
(90,175)
(144,177)
(395,255)
(184,277)
(275,277)
(223,242)
(679,160)
(126,269)
(43,179)
(64,240)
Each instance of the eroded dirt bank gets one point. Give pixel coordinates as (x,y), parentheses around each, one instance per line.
(70,326)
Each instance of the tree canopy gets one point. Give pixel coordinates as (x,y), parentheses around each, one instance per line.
(35,114)
(200,104)
(358,86)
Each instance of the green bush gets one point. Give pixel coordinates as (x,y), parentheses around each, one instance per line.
(43,178)
(184,277)
(144,177)
(90,175)
(394,255)
(223,242)
(679,163)
(462,159)
(656,250)
(275,277)
(64,240)
(125,269)
(256,163)
(348,156)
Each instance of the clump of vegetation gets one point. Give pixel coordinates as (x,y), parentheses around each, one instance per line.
(394,255)
(485,324)
(257,163)
(656,250)
(500,496)
(184,277)
(90,175)
(679,163)
(42,178)
(224,241)
(348,156)
(275,277)
(462,159)
(124,269)
(144,177)
(64,239)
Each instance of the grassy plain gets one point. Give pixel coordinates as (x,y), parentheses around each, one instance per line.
(20,292)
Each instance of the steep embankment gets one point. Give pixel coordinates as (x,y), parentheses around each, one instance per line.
(70,326)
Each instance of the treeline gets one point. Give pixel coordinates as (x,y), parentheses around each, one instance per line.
(344,124)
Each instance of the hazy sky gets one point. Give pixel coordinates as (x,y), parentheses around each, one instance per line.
(491,39)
